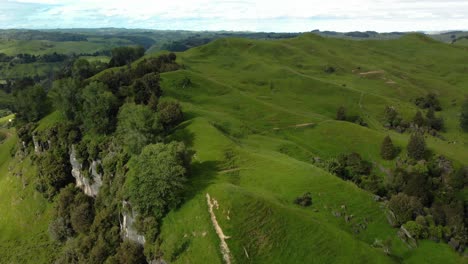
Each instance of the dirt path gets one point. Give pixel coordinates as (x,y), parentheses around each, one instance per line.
(297,125)
(371,72)
(229,170)
(224,246)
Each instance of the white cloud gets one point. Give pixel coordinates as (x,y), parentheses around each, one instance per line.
(290,15)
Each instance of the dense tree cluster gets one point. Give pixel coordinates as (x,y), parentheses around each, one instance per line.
(125,55)
(31,103)
(429,123)
(118,119)
(424,191)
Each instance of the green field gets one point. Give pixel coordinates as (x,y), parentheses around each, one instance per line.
(248,96)
(257,113)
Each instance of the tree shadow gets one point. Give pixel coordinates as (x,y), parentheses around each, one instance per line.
(202,174)
(183,135)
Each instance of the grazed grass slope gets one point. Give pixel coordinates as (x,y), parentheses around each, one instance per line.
(24,213)
(242,110)
(246,98)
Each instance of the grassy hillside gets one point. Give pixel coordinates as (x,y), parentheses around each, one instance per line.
(253,97)
(25,214)
(257,113)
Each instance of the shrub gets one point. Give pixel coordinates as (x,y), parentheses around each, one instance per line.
(436,123)
(416,147)
(170,114)
(459,179)
(416,230)
(305,200)
(404,207)
(418,119)
(464,116)
(330,69)
(2,136)
(130,253)
(341,113)
(60,230)
(429,101)
(387,149)
(82,217)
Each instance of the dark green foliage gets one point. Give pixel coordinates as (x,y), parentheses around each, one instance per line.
(66,97)
(60,229)
(329,69)
(387,149)
(349,167)
(130,253)
(125,55)
(73,209)
(149,226)
(170,114)
(81,217)
(418,185)
(393,120)
(24,132)
(100,108)
(405,207)
(187,82)
(418,119)
(32,103)
(163,63)
(416,146)
(464,116)
(459,179)
(392,116)
(116,79)
(433,122)
(137,127)
(81,69)
(343,116)
(3,136)
(146,87)
(305,200)
(341,113)
(354,166)
(172,56)
(54,171)
(157,178)
(373,183)
(429,101)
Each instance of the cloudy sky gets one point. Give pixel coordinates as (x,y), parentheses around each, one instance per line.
(251,15)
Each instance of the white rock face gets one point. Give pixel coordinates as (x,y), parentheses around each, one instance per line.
(126,227)
(89,187)
(37,147)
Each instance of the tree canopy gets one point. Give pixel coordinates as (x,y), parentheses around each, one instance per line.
(157,178)
(100,108)
(137,127)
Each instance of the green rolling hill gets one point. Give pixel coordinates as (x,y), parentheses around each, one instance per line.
(257,114)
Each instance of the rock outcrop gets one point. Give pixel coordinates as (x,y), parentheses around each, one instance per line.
(90,185)
(39,146)
(126,226)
